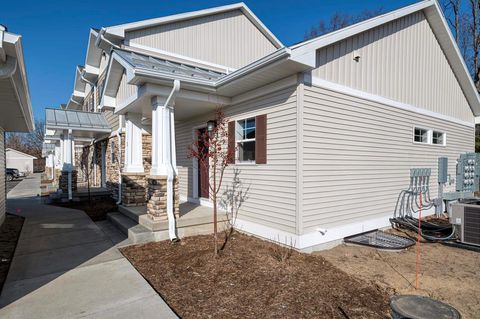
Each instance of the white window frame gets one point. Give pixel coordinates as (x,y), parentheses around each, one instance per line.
(238,141)
(429,136)
(429,133)
(444,138)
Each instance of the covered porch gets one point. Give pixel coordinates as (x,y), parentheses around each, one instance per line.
(66,134)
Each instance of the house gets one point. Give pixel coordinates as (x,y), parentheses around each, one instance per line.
(15,106)
(19,160)
(326,130)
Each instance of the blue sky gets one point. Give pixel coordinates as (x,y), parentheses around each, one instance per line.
(55,32)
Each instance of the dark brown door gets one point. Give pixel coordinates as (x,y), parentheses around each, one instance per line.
(203,169)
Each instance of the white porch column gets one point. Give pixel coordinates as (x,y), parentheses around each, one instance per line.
(163,143)
(67,151)
(103,172)
(133,144)
(163,150)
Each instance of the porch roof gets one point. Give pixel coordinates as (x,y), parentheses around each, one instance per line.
(160,67)
(82,124)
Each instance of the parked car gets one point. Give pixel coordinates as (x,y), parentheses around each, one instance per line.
(12,173)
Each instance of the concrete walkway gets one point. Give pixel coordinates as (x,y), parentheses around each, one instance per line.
(65,266)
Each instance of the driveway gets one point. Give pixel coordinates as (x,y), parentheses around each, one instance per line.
(66,266)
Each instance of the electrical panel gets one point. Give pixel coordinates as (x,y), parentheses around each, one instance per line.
(468,172)
(443,170)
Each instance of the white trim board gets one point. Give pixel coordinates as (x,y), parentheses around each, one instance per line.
(317,238)
(321,83)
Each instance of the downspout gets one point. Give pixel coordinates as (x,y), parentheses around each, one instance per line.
(171,171)
(94,87)
(70,167)
(101,36)
(117,132)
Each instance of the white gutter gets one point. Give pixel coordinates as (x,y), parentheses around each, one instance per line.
(3,55)
(101,36)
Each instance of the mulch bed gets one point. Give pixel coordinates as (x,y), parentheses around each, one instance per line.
(96,209)
(9,234)
(253,278)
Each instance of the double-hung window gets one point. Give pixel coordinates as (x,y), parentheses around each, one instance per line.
(245,138)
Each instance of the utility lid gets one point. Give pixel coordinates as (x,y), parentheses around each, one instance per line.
(421,307)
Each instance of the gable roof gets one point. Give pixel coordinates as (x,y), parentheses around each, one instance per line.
(306,50)
(119,30)
(20,153)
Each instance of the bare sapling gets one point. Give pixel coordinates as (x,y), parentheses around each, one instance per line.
(211,151)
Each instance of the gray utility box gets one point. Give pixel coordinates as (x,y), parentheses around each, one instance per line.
(466,220)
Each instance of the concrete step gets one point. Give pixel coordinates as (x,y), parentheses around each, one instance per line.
(130,213)
(136,233)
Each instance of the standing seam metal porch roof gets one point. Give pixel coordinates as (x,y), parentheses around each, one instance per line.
(57,119)
(161,66)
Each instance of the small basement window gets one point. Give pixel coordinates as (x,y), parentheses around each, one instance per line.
(245,139)
(438,138)
(421,135)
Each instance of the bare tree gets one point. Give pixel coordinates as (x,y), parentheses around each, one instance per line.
(29,143)
(211,151)
(340,20)
(453,6)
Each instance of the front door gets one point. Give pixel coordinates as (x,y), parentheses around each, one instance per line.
(203,177)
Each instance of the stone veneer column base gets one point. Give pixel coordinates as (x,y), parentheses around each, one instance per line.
(134,189)
(157,194)
(63,181)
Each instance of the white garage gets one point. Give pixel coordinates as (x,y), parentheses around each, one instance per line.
(19,160)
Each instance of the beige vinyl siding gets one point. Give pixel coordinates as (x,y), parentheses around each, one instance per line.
(2,176)
(125,90)
(271,196)
(112,119)
(357,156)
(229,39)
(402,61)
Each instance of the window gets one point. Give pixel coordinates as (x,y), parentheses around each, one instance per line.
(245,138)
(438,138)
(421,135)
(428,136)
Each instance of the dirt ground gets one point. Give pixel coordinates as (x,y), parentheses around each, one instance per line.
(9,234)
(97,209)
(253,278)
(448,274)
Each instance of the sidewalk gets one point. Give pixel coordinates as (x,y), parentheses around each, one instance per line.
(66,267)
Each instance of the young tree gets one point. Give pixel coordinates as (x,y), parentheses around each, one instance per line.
(211,151)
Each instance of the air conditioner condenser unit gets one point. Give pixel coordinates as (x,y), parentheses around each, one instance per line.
(466,220)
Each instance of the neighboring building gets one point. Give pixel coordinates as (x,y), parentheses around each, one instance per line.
(326,130)
(21,161)
(15,106)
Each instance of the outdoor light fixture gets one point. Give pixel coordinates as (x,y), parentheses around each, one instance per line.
(211,126)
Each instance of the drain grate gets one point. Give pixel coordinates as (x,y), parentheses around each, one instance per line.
(381,240)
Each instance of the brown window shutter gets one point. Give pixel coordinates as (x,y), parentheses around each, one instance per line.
(231,141)
(261,139)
